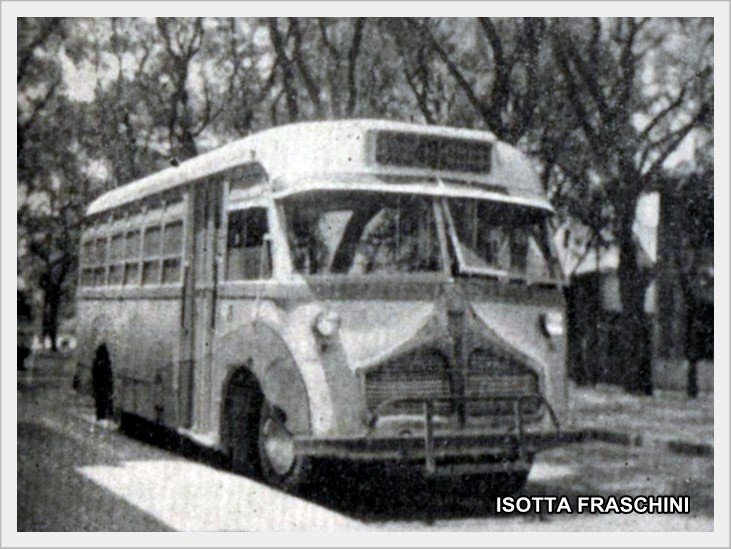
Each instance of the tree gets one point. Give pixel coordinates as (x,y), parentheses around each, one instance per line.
(159,86)
(600,104)
(120,133)
(163,86)
(503,76)
(633,114)
(317,62)
(52,188)
(39,80)
(420,69)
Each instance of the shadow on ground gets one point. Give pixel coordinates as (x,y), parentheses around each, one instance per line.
(371,493)
(53,496)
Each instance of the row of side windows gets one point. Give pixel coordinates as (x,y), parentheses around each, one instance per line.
(153,256)
(150,257)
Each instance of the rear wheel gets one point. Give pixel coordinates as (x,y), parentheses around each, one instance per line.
(102,384)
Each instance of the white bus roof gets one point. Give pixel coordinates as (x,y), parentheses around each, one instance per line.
(296,153)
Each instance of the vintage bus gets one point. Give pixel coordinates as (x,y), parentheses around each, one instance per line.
(358,290)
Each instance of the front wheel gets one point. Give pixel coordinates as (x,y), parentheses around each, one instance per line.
(280,463)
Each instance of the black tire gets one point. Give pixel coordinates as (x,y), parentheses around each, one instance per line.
(251,423)
(102,383)
(244,409)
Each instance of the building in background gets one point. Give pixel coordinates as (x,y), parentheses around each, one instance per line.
(683,331)
(674,236)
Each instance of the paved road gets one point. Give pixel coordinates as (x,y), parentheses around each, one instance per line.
(77,475)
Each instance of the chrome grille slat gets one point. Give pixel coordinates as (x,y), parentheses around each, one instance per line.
(490,374)
(421,375)
(425,375)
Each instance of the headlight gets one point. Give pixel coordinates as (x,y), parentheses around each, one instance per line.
(552,323)
(327,323)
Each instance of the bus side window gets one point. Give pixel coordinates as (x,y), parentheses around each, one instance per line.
(248,256)
(100,261)
(132,258)
(172,250)
(151,254)
(93,261)
(116,260)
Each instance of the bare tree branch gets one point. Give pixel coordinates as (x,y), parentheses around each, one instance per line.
(285,63)
(25,55)
(589,78)
(353,54)
(313,90)
(40,105)
(672,106)
(500,95)
(456,73)
(678,136)
(325,39)
(575,100)
(419,94)
(628,67)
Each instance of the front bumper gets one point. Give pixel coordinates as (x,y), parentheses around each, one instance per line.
(450,451)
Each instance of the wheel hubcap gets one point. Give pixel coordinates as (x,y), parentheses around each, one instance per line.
(278,446)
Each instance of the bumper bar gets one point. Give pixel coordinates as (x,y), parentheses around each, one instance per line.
(516,444)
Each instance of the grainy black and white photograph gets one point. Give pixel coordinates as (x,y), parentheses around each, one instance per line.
(319,274)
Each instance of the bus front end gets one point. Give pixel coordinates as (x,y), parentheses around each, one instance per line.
(440,329)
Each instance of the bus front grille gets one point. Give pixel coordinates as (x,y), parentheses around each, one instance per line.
(489,374)
(425,376)
(422,375)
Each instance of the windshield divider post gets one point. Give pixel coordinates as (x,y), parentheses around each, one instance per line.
(442,236)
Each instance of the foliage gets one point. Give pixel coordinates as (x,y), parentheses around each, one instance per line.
(600,104)
(52,186)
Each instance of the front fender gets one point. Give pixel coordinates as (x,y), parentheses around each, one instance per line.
(283,348)
(260,349)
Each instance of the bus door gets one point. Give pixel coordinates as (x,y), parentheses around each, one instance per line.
(199,301)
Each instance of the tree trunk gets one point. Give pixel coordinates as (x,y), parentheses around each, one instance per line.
(188,147)
(634,329)
(51,308)
(692,382)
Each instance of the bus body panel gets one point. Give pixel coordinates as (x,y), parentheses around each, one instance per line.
(141,335)
(378,329)
(325,149)
(274,340)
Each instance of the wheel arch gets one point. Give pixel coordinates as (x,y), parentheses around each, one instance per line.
(240,378)
(94,333)
(259,352)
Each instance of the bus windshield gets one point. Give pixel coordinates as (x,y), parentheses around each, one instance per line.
(362,233)
(501,239)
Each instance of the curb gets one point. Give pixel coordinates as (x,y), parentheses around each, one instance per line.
(693,449)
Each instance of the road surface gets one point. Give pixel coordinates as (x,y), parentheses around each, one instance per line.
(75,474)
